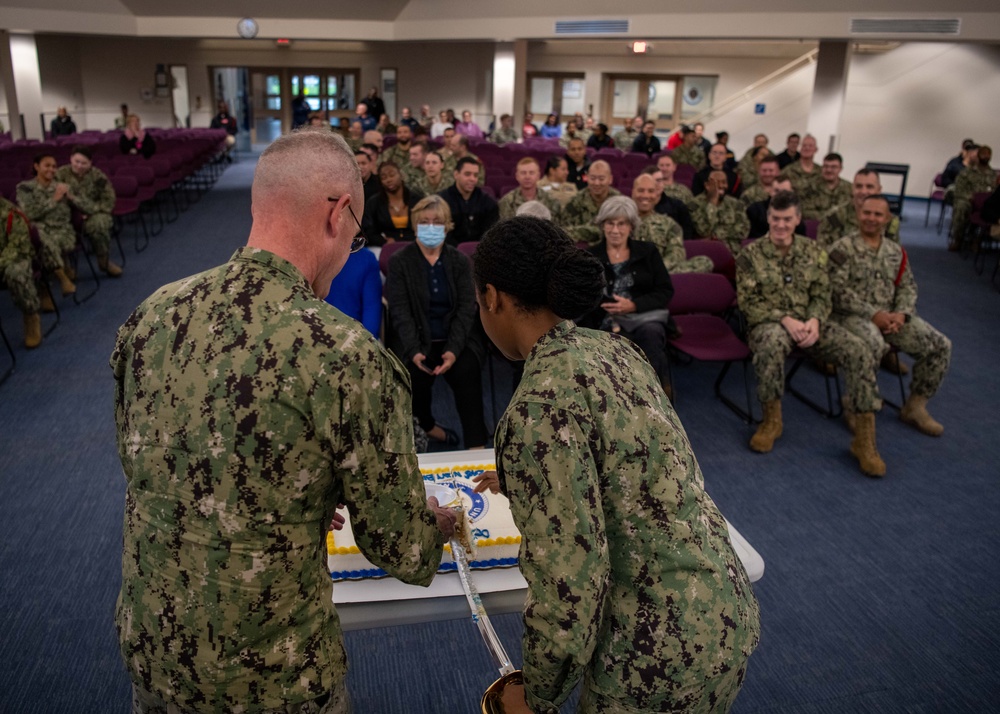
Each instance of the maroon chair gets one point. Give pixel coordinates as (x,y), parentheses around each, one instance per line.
(718,252)
(811,226)
(127,204)
(468,249)
(936,194)
(684,174)
(389,250)
(698,305)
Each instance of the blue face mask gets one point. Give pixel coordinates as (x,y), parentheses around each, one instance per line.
(430,235)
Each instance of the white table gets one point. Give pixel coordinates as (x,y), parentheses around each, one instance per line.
(382,603)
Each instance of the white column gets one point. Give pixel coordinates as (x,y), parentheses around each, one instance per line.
(504,80)
(829,89)
(9,86)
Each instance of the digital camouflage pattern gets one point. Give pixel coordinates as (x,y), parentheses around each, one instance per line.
(770,286)
(971,180)
(727,222)
(502,136)
(94,196)
(53,219)
(561,193)
(843,221)
(512,200)
(747,170)
(668,237)
(821,199)
(632,579)
(246,410)
(863,282)
(397,155)
(15,258)
(624,139)
(577,218)
(802,180)
(690,155)
(424,185)
(411,175)
(754,194)
(680,192)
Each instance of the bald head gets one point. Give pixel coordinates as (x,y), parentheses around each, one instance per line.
(292,216)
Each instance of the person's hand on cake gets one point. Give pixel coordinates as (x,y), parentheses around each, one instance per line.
(513,700)
(487,480)
(337,524)
(445,517)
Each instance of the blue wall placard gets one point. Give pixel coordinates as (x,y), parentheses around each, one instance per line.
(759,108)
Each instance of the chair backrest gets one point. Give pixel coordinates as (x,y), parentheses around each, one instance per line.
(468,249)
(717,251)
(389,250)
(812,227)
(701,293)
(684,174)
(125,186)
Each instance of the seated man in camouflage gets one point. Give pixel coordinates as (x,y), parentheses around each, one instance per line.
(91,193)
(663,231)
(626,137)
(413,169)
(804,172)
(459,145)
(784,291)
(399,153)
(527,175)
(747,166)
(577,218)
(504,134)
(689,152)
(875,298)
(978,177)
(843,220)
(763,188)
(829,191)
(45,202)
(717,216)
(15,270)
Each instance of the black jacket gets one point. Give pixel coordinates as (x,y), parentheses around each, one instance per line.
(472,218)
(409,302)
(757,213)
(651,285)
(577,175)
(732,178)
(678,210)
(647,145)
(377,223)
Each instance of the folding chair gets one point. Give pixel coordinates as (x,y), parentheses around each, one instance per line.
(10,350)
(834,408)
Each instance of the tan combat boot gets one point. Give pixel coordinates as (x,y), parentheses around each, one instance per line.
(770,428)
(32,330)
(863,446)
(68,288)
(893,365)
(69,270)
(45,299)
(109,268)
(914,413)
(850,418)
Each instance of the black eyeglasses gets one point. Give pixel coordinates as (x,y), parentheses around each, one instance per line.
(358,242)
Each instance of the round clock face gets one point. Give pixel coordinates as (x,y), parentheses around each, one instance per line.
(247,27)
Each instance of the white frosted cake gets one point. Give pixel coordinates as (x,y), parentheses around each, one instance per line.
(491,528)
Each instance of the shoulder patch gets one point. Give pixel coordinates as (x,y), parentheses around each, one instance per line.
(838,256)
(744,262)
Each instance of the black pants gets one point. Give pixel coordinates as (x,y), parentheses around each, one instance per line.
(465,379)
(651,338)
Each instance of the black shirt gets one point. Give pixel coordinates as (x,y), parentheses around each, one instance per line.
(647,145)
(785,159)
(732,178)
(951,171)
(678,210)
(578,175)
(472,217)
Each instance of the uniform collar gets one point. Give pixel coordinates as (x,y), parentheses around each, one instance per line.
(272,263)
(556,333)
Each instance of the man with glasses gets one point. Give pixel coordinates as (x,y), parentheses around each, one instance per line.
(247,409)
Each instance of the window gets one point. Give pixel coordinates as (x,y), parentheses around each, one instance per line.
(556,93)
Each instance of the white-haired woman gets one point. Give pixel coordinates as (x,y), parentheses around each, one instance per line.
(639,286)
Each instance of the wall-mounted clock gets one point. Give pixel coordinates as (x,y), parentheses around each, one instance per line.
(247,27)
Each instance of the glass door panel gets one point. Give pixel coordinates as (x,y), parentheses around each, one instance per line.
(662,97)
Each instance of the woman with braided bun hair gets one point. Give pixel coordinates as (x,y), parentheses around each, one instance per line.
(633,583)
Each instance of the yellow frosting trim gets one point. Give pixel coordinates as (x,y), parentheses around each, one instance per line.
(461,467)
(332,549)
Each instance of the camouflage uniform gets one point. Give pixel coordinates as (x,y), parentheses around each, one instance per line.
(680,192)
(561,194)
(247,409)
(668,237)
(94,196)
(863,282)
(577,218)
(411,175)
(53,219)
(397,155)
(803,183)
(747,171)
(754,194)
(423,185)
(727,222)
(843,220)
(632,579)
(354,144)
(15,258)
(821,200)
(512,200)
(624,139)
(502,136)
(970,181)
(692,156)
(768,288)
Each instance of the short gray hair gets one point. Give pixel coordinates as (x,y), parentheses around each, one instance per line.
(536,209)
(619,207)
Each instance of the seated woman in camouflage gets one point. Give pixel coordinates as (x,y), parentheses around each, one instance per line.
(45,202)
(91,193)
(633,583)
